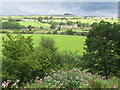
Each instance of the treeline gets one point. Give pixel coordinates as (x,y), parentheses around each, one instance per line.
(12,25)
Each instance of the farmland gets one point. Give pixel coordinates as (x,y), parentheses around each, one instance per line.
(47,59)
(63,42)
(34,24)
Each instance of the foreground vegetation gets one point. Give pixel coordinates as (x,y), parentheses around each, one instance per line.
(28,62)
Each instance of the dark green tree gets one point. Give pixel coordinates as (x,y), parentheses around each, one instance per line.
(49,43)
(46,18)
(51,18)
(79,24)
(103,49)
(29,27)
(40,19)
(70,23)
(16,49)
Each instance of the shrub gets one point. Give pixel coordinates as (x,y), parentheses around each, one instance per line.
(67,60)
(55,32)
(72,79)
(49,43)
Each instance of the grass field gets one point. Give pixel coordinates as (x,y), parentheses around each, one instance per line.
(34,24)
(63,42)
(90,21)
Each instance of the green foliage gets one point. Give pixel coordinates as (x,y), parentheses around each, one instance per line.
(49,43)
(22,61)
(40,19)
(55,32)
(62,23)
(67,60)
(15,51)
(11,25)
(73,78)
(11,20)
(54,25)
(64,79)
(94,24)
(46,18)
(70,23)
(78,23)
(70,32)
(103,50)
(29,27)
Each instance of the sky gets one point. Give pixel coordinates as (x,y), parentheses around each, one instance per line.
(104,9)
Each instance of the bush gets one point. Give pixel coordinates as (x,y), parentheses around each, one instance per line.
(67,60)
(55,32)
(49,43)
(72,79)
(70,32)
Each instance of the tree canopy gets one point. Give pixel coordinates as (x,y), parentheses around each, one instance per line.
(103,49)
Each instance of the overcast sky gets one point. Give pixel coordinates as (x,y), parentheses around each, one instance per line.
(107,9)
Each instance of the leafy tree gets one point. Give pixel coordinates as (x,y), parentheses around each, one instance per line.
(11,20)
(62,23)
(78,23)
(16,49)
(70,23)
(94,24)
(63,18)
(55,32)
(70,32)
(11,25)
(103,49)
(51,18)
(40,19)
(46,18)
(49,43)
(87,24)
(29,27)
(53,25)
(22,61)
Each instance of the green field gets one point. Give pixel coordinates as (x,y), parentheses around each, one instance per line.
(34,24)
(90,21)
(63,42)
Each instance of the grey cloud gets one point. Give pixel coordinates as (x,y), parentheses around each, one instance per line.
(42,8)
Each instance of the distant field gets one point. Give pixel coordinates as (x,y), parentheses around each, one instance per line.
(4,20)
(34,24)
(64,42)
(90,21)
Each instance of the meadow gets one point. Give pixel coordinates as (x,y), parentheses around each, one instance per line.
(34,24)
(90,21)
(63,42)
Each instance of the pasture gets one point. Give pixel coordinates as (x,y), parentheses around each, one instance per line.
(63,42)
(90,21)
(34,24)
